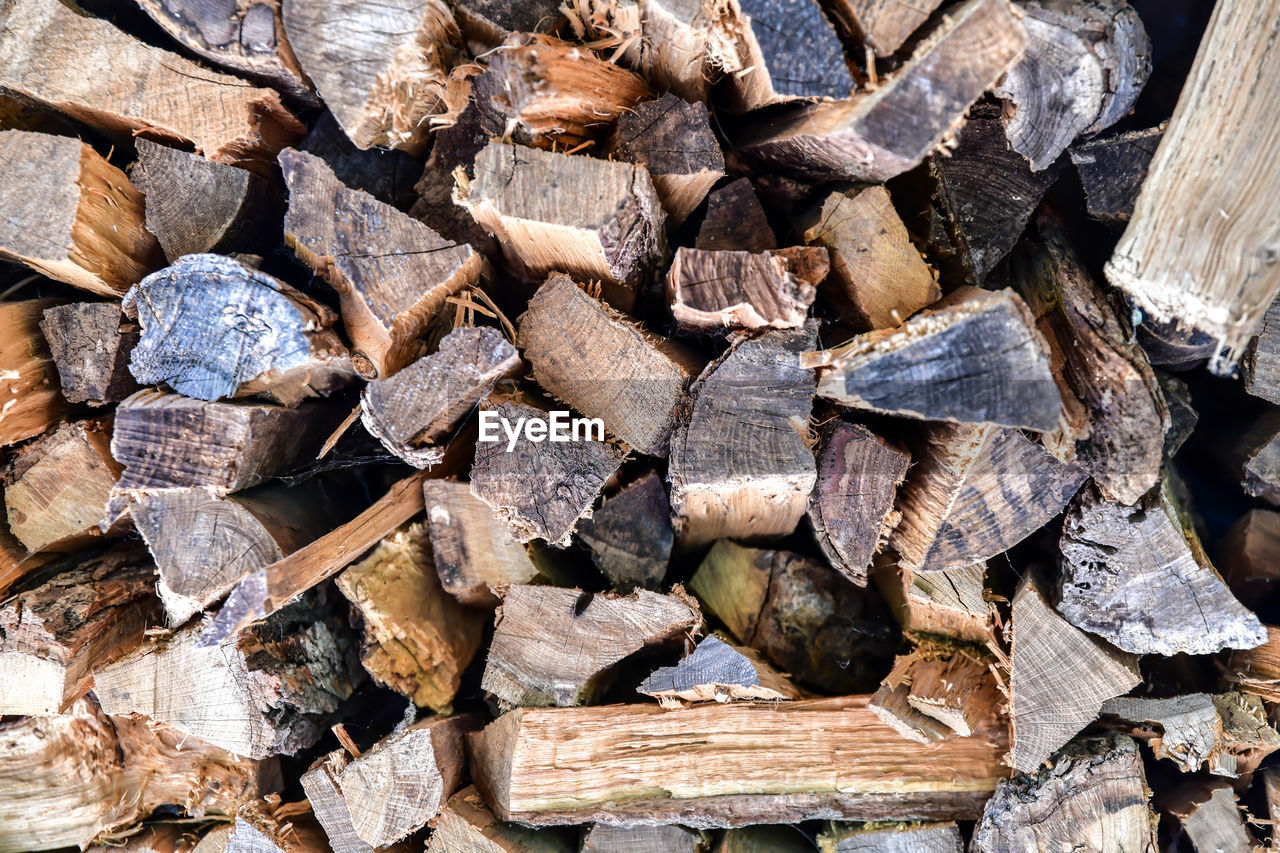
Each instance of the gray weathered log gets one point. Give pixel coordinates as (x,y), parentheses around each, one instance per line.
(90,343)
(630,534)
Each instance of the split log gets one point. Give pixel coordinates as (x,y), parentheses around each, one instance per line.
(591,219)
(974,357)
(803,617)
(56,488)
(383,795)
(713,290)
(1139,578)
(455,146)
(1060,676)
(1208,815)
(214,327)
(1094,797)
(875,136)
(384,173)
(540,488)
(672,138)
(268,690)
(952,685)
(417,639)
(1120,419)
(1112,170)
(194,205)
(630,535)
(90,343)
(878,277)
(735,221)
(154,838)
(715,670)
(950,603)
(882,25)
(603,838)
(546,92)
(1250,556)
(380,69)
(465,825)
(66,779)
(975,492)
(93,72)
(594,359)
(1182,414)
(1260,367)
(1257,455)
(685,46)
(92,611)
(740,466)
(895,838)
(71,215)
(851,508)
(1226,274)
(289,828)
(391,271)
(786,51)
(473,551)
(750,762)
(553,646)
(1085,64)
(1257,670)
(487,23)
(764,839)
(29,382)
(890,705)
(417,410)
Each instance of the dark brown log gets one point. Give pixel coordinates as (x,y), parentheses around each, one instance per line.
(1260,366)
(882,25)
(713,290)
(1112,170)
(1182,414)
(553,646)
(603,838)
(786,51)
(386,174)
(392,272)
(455,147)
(29,383)
(735,221)
(893,838)
(1250,556)
(630,535)
(718,671)
(466,825)
(284,828)
(90,343)
(1207,814)
(487,23)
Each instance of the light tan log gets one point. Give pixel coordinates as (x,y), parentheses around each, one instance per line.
(472,549)
(466,825)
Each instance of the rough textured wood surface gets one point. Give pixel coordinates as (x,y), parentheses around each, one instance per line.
(786,50)
(286,828)
(419,409)
(466,825)
(472,549)
(851,508)
(1219,278)
(715,670)
(1208,816)
(950,603)
(713,290)
(71,215)
(596,360)
(381,68)
(735,221)
(552,646)
(893,838)
(603,838)
(952,685)
(763,839)
(154,838)
(1257,458)
(417,639)
(726,765)
(197,205)
(214,327)
(1060,677)
(1139,578)
(882,25)
(1260,366)
(630,534)
(1112,170)
(1257,670)
(93,610)
(877,135)
(485,23)
(684,46)
(93,72)
(90,343)
(29,383)
(386,174)
(1249,556)
(739,463)
(392,273)
(1095,797)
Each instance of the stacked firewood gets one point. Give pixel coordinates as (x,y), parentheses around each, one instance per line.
(639,425)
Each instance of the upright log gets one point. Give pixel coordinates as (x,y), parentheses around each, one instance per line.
(90,343)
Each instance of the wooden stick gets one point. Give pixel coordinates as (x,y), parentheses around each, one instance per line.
(90,343)
(630,535)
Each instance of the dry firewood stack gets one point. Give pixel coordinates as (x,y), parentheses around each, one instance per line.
(639,425)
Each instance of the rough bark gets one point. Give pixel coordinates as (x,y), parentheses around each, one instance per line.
(90,343)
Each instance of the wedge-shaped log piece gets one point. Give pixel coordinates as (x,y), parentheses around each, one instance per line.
(736,221)
(915,837)
(715,670)
(29,383)
(750,761)
(66,779)
(390,791)
(268,690)
(673,139)
(540,488)
(472,549)
(1139,578)
(380,69)
(455,146)
(1260,366)
(1249,556)
(93,610)
(786,51)
(603,365)
(851,508)
(595,220)
(56,488)
(975,357)
(603,838)
(417,638)
(686,45)
(214,327)
(875,136)
(552,646)
(1095,797)
(195,205)
(1218,279)
(950,603)
(630,534)
(391,272)
(711,290)
(1086,63)
(878,278)
(417,410)
(802,616)
(86,68)
(90,343)
(976,492)
(1060,678)
(740,465)
(466,824)
(882,25)
(1208,815)
(1112,170)
(70,214)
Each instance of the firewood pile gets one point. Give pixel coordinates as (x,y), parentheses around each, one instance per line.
(639,425)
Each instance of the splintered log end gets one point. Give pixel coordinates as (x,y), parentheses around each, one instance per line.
(630,535)
(713,290)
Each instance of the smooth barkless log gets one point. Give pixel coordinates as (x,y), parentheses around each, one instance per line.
(630,534)
(29,382)
(90,343)
(882,25)
(712,290)
(736,221)
(786,51)
(71,215)
(473,550)
(1112,170)
(466,825)
(716,671)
